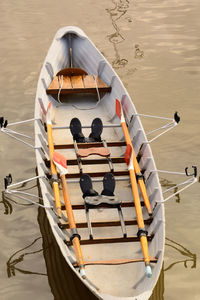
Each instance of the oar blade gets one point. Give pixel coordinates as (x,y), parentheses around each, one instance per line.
(118,109)
(60,162)
(128,154)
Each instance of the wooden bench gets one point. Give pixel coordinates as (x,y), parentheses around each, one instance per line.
(74,81)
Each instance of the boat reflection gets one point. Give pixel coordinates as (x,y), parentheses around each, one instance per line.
(116,13)
(190,257)
(18,257)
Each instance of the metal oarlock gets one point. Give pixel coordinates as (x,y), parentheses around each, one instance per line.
(3,123)
(187,183)
(194,171)
(7,181)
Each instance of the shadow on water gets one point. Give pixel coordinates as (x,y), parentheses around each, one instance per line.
(17,258)
(191,257)
(116,13)
(169,184)
(8,200)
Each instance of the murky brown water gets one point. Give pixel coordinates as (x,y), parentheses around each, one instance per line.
(154,47)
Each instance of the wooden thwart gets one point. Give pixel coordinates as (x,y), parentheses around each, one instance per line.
(117,160)
(106,223)
(110,240)
(88,145)
(117,261)
(103,205)
(97,174)
(77,84)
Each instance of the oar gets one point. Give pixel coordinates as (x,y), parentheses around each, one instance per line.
(139,176)
(129,157)
(61,164)
(52,165)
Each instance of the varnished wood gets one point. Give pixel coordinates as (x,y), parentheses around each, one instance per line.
(79,84)
(110,240)
(71,72)
(87,145)
(103,205)
(97,174)
(118,261)
(117,160)
(104,152)
(106,223)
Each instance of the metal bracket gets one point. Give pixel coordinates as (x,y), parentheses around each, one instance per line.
(191,174)
(3,123)
(7,181)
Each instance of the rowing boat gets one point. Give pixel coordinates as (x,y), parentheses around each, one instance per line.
(96,169)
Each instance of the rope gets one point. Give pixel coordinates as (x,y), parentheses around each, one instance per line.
(60,87)
(98,95)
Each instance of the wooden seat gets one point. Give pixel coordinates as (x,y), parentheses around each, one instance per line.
(104,152)
(74,81)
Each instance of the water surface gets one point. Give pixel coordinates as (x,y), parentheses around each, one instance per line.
(154,47)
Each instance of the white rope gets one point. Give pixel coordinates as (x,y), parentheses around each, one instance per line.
(29,200)
(191,182)
(60,87)
(98,95)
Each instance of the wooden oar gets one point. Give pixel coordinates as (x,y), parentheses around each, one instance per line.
(139,176)
(60,162)
(52,165)
(129,157)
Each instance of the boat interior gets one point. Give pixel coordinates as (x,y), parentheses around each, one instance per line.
(107,224)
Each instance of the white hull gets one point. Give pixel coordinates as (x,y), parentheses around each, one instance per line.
(119,281)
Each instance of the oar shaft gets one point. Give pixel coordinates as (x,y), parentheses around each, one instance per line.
(71,221)
(136,198)
(53,170)
(139,216)
(140,221)
(137,169)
